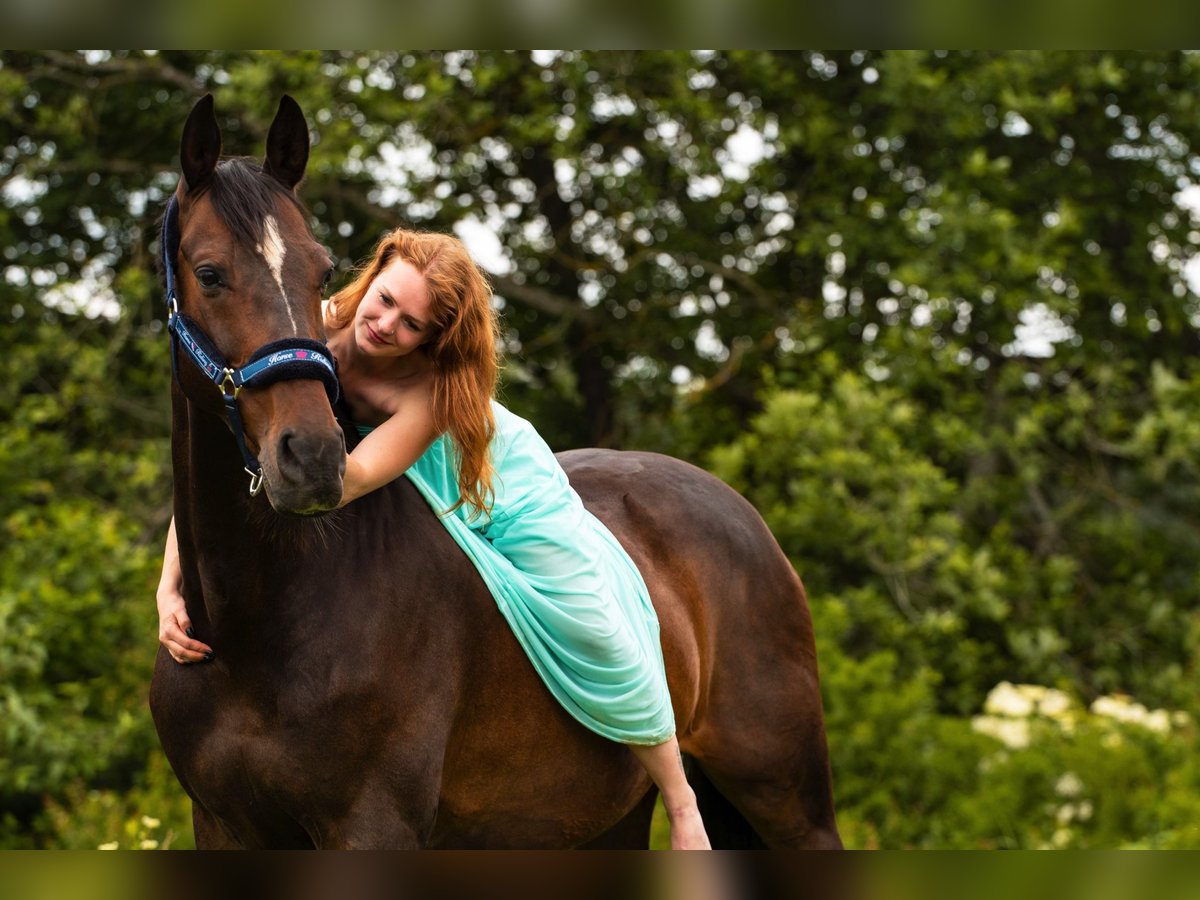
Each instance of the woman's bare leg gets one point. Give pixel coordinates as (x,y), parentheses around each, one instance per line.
(665,767)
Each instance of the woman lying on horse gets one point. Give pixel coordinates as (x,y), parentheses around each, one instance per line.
(415,337)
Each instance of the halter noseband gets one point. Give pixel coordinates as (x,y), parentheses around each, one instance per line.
(275,361)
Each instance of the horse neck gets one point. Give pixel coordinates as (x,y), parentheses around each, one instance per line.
(230,544)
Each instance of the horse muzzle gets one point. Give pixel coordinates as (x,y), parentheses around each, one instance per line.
(303,469)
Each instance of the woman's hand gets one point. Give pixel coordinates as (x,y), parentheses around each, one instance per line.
(175,629)
(174,626)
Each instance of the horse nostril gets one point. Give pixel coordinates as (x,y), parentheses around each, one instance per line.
(299,455)
(287,455)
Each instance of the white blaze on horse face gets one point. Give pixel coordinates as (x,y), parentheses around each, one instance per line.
(272,250)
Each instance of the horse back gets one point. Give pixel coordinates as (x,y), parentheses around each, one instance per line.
(733,612)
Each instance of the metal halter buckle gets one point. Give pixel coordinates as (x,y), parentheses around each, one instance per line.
(228,386)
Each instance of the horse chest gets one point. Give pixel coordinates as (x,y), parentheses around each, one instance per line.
(311,773)
(242,754)
(243,758)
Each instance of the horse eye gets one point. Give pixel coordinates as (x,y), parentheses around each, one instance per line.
(325,281)
(209,278)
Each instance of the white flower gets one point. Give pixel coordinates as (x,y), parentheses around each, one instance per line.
(1111,707)
(1085,810)
(1019,701)
(111,845)
(1054,703)
(1123,709)
(1006,699)
(149,844)
(150,822)
(1159,720)
(1010,732)
(1068,785)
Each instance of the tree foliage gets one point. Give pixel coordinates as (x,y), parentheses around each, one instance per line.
(929,311)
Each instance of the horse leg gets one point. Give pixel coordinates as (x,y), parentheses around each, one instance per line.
(776,814)
(387,833)
(632,832)
(727,828)
(383,817)
(769,760)
(210,833)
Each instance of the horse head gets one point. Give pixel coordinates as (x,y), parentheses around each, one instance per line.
(248,276)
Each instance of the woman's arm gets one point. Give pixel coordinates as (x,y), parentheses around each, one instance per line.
(387,452)
(174,626)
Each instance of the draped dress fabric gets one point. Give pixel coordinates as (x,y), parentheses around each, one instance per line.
(573,597)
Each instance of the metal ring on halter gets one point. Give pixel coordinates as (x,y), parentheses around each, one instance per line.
(256,480)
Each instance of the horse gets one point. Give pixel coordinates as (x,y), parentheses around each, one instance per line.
(365,691)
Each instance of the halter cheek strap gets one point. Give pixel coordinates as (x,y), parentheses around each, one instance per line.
(276,361)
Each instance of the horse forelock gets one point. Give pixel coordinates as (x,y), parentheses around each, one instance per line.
(243,196)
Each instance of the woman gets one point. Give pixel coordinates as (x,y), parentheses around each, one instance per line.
(415,337)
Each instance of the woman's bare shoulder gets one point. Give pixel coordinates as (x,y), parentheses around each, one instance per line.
(411,393)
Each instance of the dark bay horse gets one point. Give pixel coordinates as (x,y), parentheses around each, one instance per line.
(366,691)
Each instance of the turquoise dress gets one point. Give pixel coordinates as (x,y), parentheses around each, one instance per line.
(570,592)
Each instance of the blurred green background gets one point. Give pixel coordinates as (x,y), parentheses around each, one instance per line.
(934,314)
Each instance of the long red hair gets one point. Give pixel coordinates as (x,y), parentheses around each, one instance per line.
(463,349)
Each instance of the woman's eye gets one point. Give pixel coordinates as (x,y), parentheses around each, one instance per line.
(208,278)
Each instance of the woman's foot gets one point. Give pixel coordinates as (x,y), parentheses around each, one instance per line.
(664,764)
(687,828)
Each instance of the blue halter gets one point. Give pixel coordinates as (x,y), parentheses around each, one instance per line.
(276,361)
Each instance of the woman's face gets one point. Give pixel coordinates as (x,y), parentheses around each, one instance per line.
(393,318)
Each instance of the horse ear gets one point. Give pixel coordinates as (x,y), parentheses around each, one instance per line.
(287,144)
(201,145)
